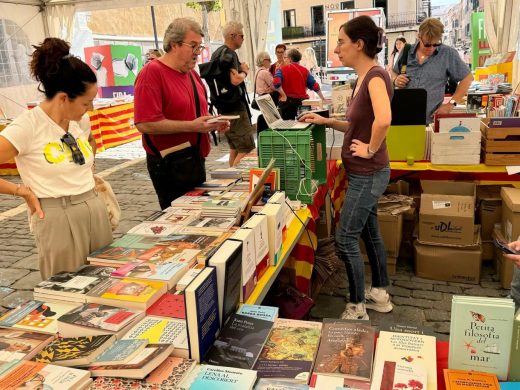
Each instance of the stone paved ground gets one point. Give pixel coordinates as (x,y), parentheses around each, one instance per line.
(417,300)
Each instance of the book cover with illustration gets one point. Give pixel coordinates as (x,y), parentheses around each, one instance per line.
(404,358)
(161,331)
(37,316)
(74,351)
(239,342)
(468,380)
(120,352)
(346,349)
(271,384)
(129,293)
(208,224)
(34,375)
(122,250)
(168,272)
(480,334)
(165,377)
(165,254)
(268,313)
(139,367)
(73,285)
(289,351)
(221,378)
(155,228)
(169,305)
(99,319)
(20,344)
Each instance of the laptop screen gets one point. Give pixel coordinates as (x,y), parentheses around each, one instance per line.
(268,109)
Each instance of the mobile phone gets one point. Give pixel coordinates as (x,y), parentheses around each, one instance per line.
(504,248)
(223,118)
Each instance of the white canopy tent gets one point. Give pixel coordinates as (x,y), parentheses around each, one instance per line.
(42,18)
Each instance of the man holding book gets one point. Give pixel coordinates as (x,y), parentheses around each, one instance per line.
(171,108)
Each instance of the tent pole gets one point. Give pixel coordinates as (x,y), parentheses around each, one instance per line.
(152,10)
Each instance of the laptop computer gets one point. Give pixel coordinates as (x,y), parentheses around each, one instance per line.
(272,116)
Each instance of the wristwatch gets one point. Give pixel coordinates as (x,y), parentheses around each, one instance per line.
(453,102)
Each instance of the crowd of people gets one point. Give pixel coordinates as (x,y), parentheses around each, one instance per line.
(55,155)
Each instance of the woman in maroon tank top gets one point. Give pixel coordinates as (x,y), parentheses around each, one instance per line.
(365,159)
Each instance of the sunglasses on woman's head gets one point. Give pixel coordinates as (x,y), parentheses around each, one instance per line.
(70,141)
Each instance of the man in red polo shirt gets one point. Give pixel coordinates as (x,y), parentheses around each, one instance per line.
(292,82)
(165,109)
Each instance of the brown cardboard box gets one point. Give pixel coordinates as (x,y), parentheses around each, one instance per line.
(489,209)
(504,267)
(447,214)
(510,213)
(449,263)
(391,228)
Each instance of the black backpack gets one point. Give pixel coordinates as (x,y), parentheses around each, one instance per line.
(216,75)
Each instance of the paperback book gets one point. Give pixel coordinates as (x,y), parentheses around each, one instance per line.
(239,342)
(165,377)
(169,305)
(162,331)
(168,272)
(228,265)
(72,286)
(202,313)
(268,313)
(126,248)
(514,365)
(346,349)
(468,380)
(91,319)
(404,358)
(140,366)
(127,293)
(480,334)
(220,378)
(45,376)
(120,352)
(189,276)
(21,345)
(37,316)
(165,254)
(289,351)
(74,351)
(271,384)
(155,228)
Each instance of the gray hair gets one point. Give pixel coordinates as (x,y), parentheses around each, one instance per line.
(177,30)
(232,27)
(260,57)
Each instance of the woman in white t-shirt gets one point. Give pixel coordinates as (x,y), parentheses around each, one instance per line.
(54,156)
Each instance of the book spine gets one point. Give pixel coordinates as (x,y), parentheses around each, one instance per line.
(514,363)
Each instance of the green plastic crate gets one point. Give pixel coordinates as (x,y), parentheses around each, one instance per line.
(296,174)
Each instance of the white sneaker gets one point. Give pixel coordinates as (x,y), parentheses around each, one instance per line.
(355,311)
(378,299)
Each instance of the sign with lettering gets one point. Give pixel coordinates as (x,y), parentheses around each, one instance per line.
(480,49)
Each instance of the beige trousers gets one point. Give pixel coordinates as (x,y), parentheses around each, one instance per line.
(72,227)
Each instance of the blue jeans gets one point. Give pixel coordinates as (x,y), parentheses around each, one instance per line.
(359,219)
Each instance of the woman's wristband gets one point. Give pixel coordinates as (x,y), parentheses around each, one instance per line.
(330,123)
(370,152)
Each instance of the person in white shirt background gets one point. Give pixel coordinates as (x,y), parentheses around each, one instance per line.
(394,56)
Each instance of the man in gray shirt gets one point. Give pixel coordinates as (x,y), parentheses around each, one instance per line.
(429,65)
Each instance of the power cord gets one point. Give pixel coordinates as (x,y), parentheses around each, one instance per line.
(304,225)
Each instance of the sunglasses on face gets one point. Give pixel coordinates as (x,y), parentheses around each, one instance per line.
(431,44)
(70,141)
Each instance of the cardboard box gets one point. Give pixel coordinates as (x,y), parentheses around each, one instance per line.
(489,209)
(391,228)
(488,250)
(504,267)
(449,263)
(510,213)
(447,213)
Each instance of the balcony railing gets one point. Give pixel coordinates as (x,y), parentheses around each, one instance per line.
(296,32)
(405,19)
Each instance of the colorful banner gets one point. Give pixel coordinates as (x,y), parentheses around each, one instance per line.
(480,49)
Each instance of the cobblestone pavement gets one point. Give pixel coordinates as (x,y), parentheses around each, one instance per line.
(416,300)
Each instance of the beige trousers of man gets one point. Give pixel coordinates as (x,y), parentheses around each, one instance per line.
(72,227)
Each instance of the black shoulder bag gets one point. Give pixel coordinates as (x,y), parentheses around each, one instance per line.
(186,166)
